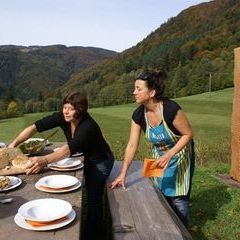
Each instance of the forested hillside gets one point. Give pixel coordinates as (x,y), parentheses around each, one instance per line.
(195,47)
(31,72)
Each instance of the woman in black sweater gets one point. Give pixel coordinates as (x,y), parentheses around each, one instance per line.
(83,135)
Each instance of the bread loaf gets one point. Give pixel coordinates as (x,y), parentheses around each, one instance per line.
(9,154)
(21,161)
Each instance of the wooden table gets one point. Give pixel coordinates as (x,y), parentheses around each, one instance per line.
(27,192)
(140,212)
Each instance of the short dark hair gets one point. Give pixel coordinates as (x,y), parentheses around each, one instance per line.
(155,80)
(78,101)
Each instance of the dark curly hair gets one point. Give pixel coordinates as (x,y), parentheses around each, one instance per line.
(79,102)
(155,80)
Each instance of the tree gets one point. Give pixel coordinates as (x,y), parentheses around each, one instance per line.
(51,104)
(179,82)
(13,110)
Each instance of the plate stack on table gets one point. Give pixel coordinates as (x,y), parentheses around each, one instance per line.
(58,183)
(67,164)
(44,214)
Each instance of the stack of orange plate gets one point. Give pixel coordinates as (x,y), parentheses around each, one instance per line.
(44,214)
(67,164)
(58,183)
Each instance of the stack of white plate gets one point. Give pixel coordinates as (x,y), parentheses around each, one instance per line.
(67,164)
(58,183)
(44,214)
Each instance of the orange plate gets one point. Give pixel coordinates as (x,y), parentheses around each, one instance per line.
(149,171)
(40,224)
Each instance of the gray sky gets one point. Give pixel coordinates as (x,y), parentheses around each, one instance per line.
(111,24)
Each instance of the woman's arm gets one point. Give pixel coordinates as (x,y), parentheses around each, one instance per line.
(25,134)
(38,163)
(183,126)
(129,155)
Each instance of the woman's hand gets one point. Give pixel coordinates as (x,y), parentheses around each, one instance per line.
(36,164)
(163,161)
(119,181)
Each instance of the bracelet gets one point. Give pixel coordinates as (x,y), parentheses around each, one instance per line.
(46,161)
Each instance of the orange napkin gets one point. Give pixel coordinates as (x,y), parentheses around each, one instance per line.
(41,224)
(59,188)
(149,171)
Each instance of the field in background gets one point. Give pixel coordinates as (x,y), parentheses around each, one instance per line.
(209,114)
(215,210)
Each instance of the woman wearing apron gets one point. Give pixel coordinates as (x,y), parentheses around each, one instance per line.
(167,128)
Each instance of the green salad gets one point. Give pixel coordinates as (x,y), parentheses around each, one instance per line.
(32,146)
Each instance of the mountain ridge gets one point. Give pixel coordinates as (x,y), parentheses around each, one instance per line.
(193,47)
(26,72)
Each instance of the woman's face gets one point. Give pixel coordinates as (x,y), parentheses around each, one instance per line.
(141,92)
(69,112)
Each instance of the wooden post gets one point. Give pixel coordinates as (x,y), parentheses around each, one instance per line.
(235,130)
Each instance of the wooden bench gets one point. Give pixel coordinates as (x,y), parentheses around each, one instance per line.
(141,212)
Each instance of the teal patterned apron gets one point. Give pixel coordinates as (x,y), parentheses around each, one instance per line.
(176,178)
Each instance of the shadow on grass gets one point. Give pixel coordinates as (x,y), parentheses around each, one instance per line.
(206,206)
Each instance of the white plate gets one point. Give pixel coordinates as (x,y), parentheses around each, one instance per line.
(58,181)
(65,163)
(15,182)
(2,145)
(66,169)
(61,190)
(46,209)
(20,221)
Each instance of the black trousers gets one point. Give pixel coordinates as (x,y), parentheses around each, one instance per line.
(96,174)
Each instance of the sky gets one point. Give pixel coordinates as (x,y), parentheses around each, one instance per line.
(111,24)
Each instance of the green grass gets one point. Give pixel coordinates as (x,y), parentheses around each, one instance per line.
(215,210)
(12,126)
(210,114)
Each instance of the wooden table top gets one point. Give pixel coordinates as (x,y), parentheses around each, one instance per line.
(27,192)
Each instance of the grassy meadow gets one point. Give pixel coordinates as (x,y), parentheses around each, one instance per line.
(215,207)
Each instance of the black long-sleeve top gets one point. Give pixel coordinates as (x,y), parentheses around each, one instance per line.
(87,138)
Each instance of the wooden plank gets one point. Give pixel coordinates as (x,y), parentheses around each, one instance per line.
(140,212)
(226,179)
(235,133)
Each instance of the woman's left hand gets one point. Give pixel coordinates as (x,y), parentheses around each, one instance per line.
(163,161)
(36,165)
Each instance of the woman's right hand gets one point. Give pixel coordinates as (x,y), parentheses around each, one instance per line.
(119,181)
(36,164)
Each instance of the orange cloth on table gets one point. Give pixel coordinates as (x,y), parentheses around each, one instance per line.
(149,171)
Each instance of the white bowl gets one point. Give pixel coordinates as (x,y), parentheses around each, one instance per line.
(58,181)
(46,209)
(67,162)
